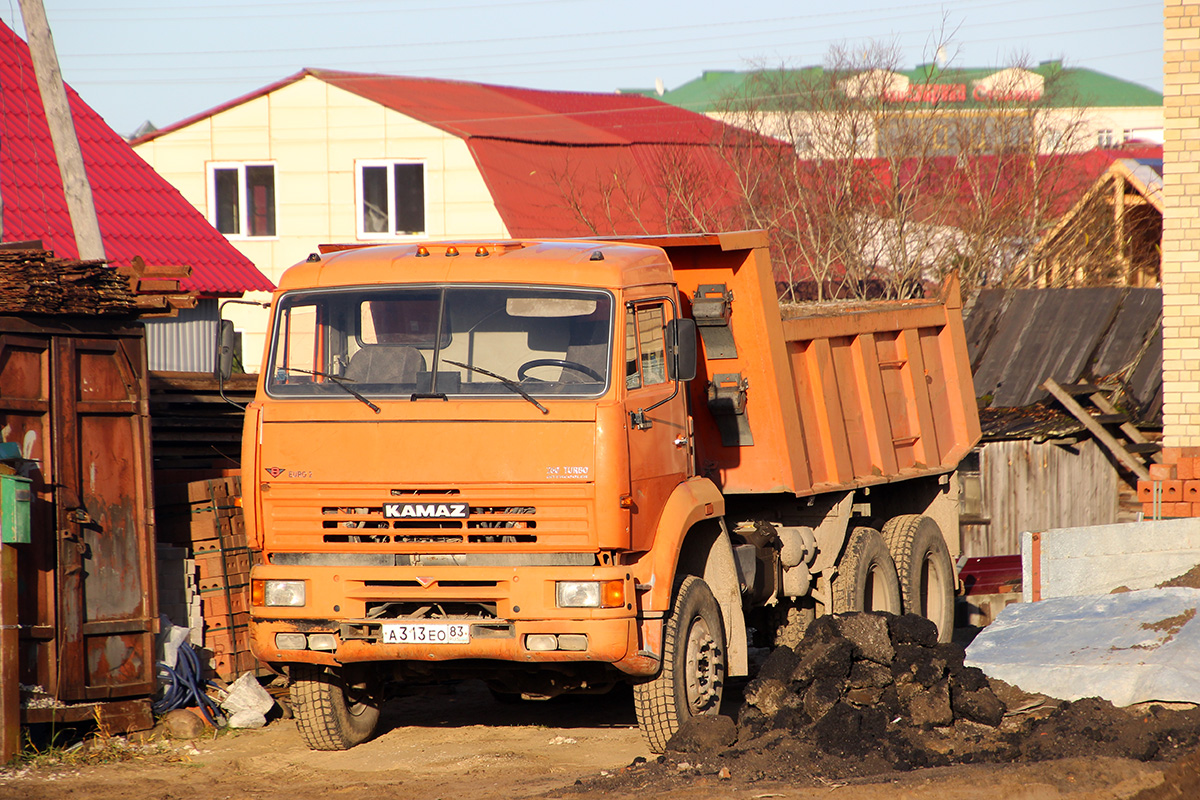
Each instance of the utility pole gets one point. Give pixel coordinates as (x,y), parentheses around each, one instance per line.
(76,188)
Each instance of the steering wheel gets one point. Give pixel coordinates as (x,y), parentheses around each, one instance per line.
(558,362)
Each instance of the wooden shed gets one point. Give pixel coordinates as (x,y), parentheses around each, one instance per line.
(1069,459)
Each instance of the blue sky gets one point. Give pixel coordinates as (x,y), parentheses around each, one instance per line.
(163,60)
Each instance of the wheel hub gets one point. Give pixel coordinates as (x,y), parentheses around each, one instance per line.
(704,668)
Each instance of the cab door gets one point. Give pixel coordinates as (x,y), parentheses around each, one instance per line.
(659,445)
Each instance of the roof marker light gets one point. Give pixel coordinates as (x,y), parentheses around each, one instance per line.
(481,252)
(422,251)
(451,251)
(597,256)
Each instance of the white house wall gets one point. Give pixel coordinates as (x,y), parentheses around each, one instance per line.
(313,133)
(1089,126)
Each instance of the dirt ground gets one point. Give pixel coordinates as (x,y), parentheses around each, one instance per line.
(852,712)
(459,742)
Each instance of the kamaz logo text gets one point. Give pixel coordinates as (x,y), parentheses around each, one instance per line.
(426,510)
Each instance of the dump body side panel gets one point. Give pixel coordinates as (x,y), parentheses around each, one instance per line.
(885,386)
(833,396)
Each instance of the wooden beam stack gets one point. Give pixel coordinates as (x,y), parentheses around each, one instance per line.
(37,282)
(157,288)
(205,516)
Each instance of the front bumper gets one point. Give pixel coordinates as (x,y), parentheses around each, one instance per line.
(344,602)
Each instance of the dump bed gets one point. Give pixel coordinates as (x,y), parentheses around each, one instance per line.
(820,397)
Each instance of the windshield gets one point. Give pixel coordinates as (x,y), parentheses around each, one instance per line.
(442,341)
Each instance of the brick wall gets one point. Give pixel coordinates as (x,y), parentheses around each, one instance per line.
(1181,225)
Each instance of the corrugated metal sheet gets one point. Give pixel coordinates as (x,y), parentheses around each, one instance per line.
(186,343)
(543,154)
(140,213)
(1018,338)
(534,205)
(470,110)
(1028,486)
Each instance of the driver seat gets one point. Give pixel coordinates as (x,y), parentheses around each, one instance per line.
(385,363)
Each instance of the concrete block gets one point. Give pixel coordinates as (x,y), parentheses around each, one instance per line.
(1097,559)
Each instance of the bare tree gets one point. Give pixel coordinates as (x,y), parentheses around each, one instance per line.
(605,198)
(1015,172)
(891,181)
(869,180)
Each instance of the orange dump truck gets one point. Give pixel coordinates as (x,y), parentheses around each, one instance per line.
(558,465)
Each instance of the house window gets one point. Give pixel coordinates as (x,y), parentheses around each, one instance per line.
(1104,138)
(391,198)
(241,199)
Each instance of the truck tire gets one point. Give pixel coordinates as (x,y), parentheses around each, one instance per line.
(693,666)
(866,578)
(329,714)
(925,570)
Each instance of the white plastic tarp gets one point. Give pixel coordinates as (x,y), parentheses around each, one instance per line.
(1127,648)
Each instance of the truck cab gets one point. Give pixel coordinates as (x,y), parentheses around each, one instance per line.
(461,451)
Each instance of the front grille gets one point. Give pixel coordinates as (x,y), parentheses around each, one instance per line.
(495,516)
(371,518)
(424,611)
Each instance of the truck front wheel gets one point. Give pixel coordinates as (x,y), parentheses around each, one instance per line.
(692,677)
(924,568)
(866,578)
(333,712)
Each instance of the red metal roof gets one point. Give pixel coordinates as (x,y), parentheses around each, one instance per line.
(140,213)
(538,150)
(534,148)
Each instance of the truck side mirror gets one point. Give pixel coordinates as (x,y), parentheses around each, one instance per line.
(226,341)
(681,333)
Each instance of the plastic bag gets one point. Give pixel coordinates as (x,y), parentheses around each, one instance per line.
(247,702)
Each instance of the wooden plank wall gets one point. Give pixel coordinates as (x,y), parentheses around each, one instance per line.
(1028,486)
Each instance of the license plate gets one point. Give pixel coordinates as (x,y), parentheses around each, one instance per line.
(427,633)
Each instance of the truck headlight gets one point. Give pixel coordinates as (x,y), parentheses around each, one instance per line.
(278,593)
(589,594)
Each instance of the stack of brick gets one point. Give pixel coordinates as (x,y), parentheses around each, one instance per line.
(205,517)
(1173,489)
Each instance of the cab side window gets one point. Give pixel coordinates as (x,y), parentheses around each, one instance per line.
(645,346)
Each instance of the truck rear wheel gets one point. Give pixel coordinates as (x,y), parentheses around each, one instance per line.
(924,568)
(331,713)
(866,578)
(692,677)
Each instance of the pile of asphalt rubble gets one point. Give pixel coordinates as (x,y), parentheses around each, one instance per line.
(863,694)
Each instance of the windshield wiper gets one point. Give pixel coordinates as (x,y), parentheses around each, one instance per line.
(337,381)
(509,382)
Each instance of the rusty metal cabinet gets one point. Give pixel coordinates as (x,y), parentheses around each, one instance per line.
(73,396)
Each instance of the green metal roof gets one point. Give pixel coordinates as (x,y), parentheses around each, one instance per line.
(1072,86)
